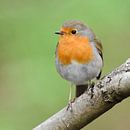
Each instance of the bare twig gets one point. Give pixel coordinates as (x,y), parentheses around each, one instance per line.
(110,90)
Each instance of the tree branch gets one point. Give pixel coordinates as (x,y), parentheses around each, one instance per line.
(110,90)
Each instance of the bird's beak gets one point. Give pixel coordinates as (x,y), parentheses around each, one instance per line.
(59,33)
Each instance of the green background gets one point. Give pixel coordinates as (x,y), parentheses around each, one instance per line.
(30,88)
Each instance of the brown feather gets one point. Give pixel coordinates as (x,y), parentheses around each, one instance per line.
(99,49)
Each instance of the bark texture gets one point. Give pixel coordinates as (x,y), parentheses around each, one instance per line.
(110,90)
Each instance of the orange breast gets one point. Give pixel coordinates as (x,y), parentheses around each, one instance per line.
(74,48)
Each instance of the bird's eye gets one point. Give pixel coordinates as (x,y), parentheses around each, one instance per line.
(73,31)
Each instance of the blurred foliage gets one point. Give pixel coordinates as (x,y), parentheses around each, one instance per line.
(30,88)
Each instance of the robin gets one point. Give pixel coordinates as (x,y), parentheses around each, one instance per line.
(79,57)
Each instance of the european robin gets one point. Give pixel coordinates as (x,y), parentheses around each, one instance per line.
(79,57)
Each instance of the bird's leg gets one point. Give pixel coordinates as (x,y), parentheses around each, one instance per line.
(70,99)
(70,92)
(90,83)
(90,87)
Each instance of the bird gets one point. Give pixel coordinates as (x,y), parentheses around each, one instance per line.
(78,55)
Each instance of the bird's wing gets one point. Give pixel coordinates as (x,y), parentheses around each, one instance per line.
(100,51)
(56,48)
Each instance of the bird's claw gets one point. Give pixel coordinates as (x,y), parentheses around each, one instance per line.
(69,107)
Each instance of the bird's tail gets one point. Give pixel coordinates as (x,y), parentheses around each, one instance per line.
(80,89)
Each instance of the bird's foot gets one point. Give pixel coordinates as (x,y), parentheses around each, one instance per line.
(69,107)
(91,86)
